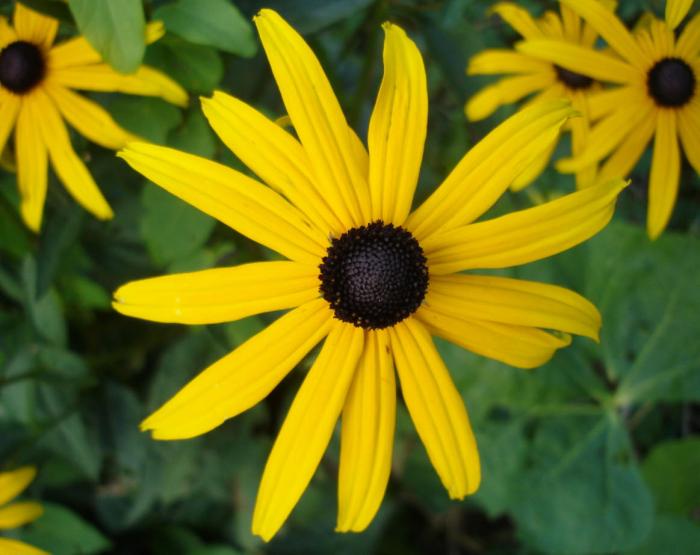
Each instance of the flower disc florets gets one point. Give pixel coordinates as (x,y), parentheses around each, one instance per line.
(22,66)
(374,276)
(671,82)
(573,80)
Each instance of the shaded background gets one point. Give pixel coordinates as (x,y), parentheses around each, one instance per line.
(596,452)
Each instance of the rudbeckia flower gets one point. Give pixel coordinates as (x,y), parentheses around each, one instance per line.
(657,98)
(528,75)
(36,82)
(362,273)
(17,514)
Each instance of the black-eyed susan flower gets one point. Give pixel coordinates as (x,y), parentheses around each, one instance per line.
(528,75)
(19,513)
(657,98)
(362,272)
(37,79)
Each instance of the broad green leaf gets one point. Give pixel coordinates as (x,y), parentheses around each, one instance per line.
(115,28)
(194,135)
(309,16)
(150,118)
(672,535)
(45,311)
(216,23)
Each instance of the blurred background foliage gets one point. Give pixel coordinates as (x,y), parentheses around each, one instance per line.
(596,452)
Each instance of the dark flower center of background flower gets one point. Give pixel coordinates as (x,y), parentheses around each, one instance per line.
(374,276)
(671,82)
(21,66)
(572,79)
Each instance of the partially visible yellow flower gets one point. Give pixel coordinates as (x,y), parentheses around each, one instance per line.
(658,97)
(528,75)
(19,513)
(36,78)
(363,273)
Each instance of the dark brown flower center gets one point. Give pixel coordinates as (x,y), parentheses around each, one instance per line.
(22,66)
(573,80)
(374,276)
(671,82)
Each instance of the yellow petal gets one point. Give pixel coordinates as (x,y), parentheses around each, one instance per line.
(513,301)
(15,482)
(9,108)
(534,170)
(665,174)
(506,91)
(571,23)
(628,153)
(610,28)
(490,62)
(7,32)
(518,346)
(242,378)
(34,27)
(551,25)
(307,429)
(14,547)
(367,436)
(276,157)
(397,128)
(32,164)
(316,114)
(518,18)
(603,102)
(526,235)
(580,136)
(689,130)
(486,171)
(676,10)
(219,295)
(688,44)
(145,81)
(585,61)
(19,514)
(70,169)
(232,198)
(436,408)
(88,118)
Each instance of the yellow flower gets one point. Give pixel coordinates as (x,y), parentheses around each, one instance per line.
(36,78)
(361,272)
(17,514)
(529,75)
(658,98)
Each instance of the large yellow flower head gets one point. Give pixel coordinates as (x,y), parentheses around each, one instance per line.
(362,272)
(17,514)
(36,82)
(529,75)
(657,98)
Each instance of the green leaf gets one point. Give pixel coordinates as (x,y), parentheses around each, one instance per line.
(52,8)
(194,135)
(671,470)
(216,23)
(115,28)
(45,310)
(672,535)
(309,16)
(150,118)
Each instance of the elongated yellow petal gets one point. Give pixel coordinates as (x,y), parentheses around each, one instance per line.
(490,62)
(534,170)
(15,482)
(88,118)
(79,52)
(32,164)
(518,18)
(436,408)
(688,44)
(145,81)
(601,103)
(19,514)
(397,128)
(242,378)
(551,25)
(70,169)
(232,198)
(665,174)
(513,301)
(34,27)
(572,24)
(219,295)
(676,10)
(367,436)
(580,136)
(14,547)
(9,108)
(7,32)
(307,429)
(519,346)
(689,131)
(611,29)
(490,167)
(526,235)
(582,60)
(316,114)
(275,156)
(506,91)
(630,150)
